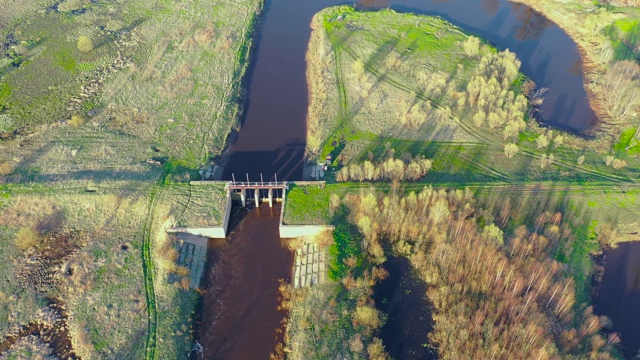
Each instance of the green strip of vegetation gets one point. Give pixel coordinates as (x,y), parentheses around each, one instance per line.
(147,261)
(307,205)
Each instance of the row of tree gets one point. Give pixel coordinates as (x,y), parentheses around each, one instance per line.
(390,169)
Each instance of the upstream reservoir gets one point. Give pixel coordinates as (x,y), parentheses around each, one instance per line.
(272,137)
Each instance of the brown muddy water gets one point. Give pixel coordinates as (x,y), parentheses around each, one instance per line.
(618,295)
(239,311)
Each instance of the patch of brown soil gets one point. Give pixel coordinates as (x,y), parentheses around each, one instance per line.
(51,328)
(44,264)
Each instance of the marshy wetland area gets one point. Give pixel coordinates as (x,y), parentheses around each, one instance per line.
(409,179)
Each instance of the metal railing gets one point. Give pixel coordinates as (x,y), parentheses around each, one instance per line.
(235,185)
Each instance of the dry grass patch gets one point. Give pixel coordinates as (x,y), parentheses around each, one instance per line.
(6,168)
(27,238)
(188,122)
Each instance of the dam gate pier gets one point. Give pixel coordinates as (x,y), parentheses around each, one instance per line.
(274,189)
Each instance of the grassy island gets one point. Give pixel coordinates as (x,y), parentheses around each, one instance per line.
(386,86)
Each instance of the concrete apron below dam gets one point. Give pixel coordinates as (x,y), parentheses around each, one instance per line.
(310,260)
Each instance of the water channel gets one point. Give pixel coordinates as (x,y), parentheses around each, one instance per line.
(402,296)
(618,295)
(239,309)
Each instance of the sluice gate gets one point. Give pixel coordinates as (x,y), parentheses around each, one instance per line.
(274,190)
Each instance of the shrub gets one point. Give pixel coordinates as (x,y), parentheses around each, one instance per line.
(376,350)
(609,160)
(493,233)
(478,118)
(6,168)
(542,141)
(76,121)
(367,316)
(184,283)
(510,150)
(471,46)
(619,164)
(182,271)
(546,160)
(355,344)
(558,141)
(85,44)
(27,238)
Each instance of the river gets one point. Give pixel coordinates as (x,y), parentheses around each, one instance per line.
(239,309)
(402,296)
(618,295)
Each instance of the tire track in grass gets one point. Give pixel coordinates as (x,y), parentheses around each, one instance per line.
(343,109)
(147,269)
(482,138)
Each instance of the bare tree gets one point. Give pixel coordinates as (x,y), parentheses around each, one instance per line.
(621,94)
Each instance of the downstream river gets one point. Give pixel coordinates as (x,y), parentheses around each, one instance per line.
(239,310)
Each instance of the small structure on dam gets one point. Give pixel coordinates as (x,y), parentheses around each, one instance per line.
(309,266)
(247,187)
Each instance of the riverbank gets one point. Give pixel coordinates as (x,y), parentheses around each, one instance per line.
(603,35)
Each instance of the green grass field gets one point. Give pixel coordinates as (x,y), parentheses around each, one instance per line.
(307,205)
